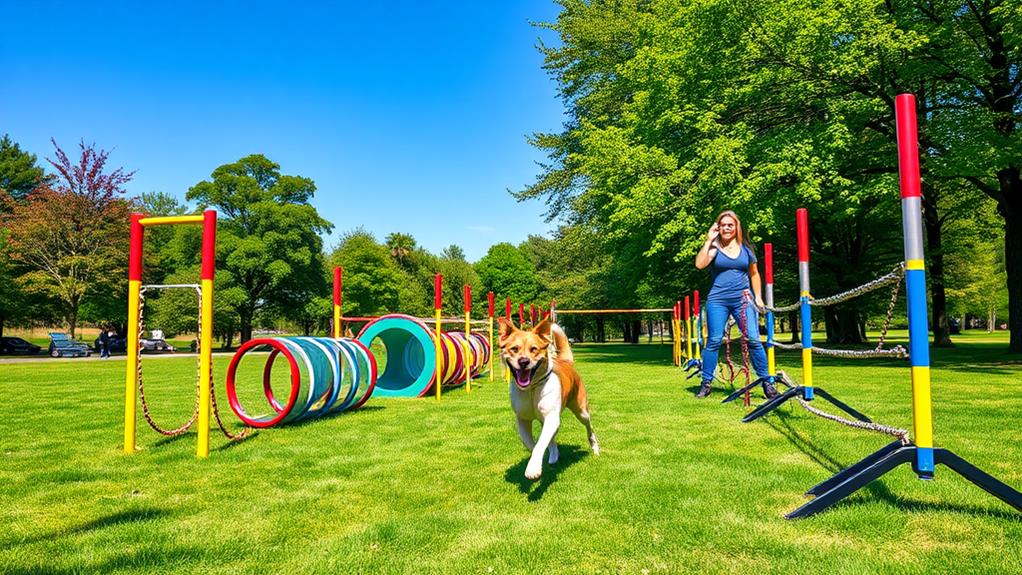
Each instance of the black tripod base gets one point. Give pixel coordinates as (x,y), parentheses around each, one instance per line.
(875,465)
(799,391)
(740,392)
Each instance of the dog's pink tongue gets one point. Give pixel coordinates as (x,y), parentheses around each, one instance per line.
(523,377)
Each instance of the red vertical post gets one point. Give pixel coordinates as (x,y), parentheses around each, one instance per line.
(137,233)
(208,244)
(468,298)
(521,314)
(338,278)
(507,308)
(802,221)
(438,291)
(489,301)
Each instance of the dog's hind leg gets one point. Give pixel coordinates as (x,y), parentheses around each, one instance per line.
(582,414)
(525,432)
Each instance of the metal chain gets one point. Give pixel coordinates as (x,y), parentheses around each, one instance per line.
(141,388)
(890,308)
(894,276)
(743,327)
(898,433)
(198,383)
(897,351)
(727,351)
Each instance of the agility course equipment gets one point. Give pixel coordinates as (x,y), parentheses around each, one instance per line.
(921,454)
(411,370)
(205,397)
(327,376)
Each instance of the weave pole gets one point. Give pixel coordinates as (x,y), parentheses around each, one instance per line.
(768,294)
(805,312)
(490,315)
(438,300)
(676,335)
(338,279)
(468,338)
(507,314)
(688,327)
(697,323)
(521,315)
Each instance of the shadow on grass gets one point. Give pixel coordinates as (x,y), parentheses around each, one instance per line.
(114,519)
(569,455)
(877,489)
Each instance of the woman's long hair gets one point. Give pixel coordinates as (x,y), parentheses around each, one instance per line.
(739,232)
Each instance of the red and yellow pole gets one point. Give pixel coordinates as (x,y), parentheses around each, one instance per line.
(688,327)
(206,330)
(521,315)
(507,314)
(489,315)
(438,299)
(137,233)
(338,278)
(468,338)
(697,323)
(532,315)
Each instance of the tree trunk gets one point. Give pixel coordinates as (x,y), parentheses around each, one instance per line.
(1011,209)
(72,319)
(636,330)
(649,330)
(245,315)
(845,323)
(935,253)
(601,330)
(793,321)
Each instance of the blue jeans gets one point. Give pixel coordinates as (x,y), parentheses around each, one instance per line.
(717,312)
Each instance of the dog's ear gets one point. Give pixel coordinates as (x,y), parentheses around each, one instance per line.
(542,329)
(506,328)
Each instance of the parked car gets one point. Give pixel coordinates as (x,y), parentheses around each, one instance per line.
(16,345)
(154,344)
(116,344)
(63,346)
(120,344)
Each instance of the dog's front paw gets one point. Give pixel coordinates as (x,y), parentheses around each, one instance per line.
(533,471)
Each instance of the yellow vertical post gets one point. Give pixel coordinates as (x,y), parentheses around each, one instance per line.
(688,327)
(468,338)
(489,301)
(438,284)
(206,330)
(338,278)
(136,232)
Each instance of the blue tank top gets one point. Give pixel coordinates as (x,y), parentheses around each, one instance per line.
(730,275)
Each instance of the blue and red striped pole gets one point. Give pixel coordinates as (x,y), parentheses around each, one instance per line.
(915,281)
(802,221)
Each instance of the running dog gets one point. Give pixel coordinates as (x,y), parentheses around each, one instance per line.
(544,382)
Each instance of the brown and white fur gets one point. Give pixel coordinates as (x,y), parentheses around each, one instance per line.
(543,383)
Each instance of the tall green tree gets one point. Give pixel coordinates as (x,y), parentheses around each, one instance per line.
(372,279)
(268,237)
(19,172)
(507,272)
(71,234)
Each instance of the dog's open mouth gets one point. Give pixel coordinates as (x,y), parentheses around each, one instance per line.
(523,377)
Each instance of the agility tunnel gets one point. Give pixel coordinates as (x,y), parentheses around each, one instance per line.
(411,367)
(327,375)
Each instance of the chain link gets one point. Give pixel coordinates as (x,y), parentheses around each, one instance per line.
(898,433)
(198,381)
(141,388)
(894,276)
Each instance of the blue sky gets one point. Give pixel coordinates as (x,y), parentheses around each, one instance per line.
(409,116)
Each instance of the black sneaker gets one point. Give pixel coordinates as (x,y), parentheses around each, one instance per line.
(768,388)
(704,390)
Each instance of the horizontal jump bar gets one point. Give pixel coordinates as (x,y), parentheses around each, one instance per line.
(595,311)
(171,220)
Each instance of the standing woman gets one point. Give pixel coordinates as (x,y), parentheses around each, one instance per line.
(734,272)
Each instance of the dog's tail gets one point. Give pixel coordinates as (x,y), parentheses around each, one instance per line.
(561,344)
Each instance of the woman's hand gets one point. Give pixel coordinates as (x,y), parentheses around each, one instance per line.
(759,303)
(713,233)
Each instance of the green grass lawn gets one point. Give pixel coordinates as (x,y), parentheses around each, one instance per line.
(410,486)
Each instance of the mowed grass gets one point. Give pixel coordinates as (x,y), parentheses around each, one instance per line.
(410,486)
